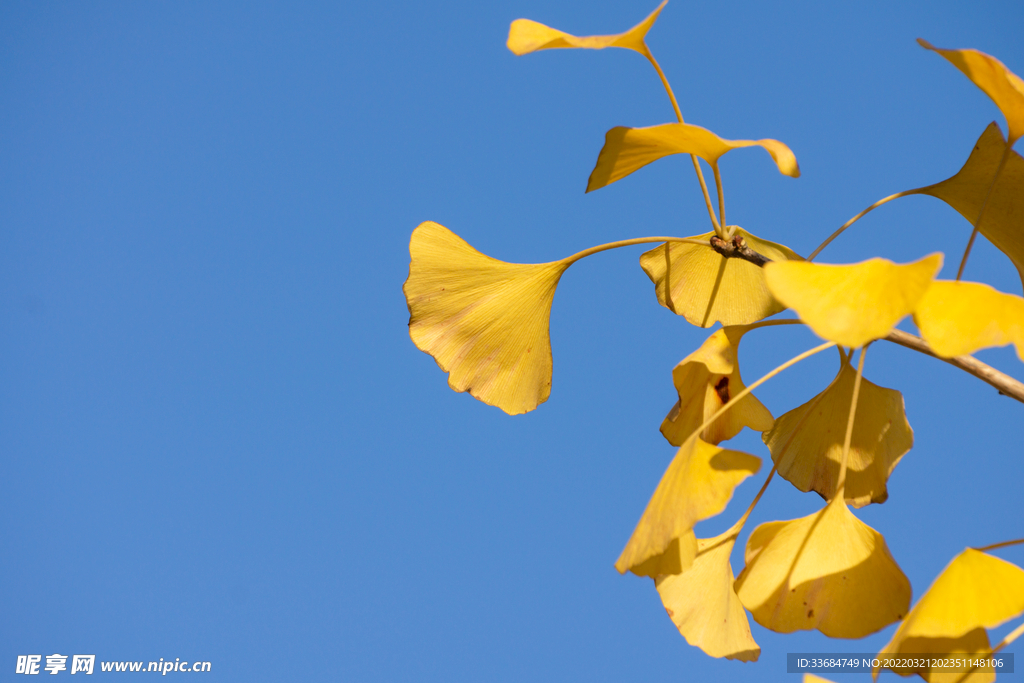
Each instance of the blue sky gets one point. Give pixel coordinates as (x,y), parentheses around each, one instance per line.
(218,442)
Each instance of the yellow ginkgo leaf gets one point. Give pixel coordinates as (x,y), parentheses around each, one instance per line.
(703,604)
(697,484)
(1003,222)
(852,304)
(706,380)
(972,645)
(1004,87)
(958,318)
(807,442)
(484,321)
(525,36)
(827,571)
(975,591)
(698,283)
(811,678)
(628,149)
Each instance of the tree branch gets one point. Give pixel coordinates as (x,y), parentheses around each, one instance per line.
(1007,386)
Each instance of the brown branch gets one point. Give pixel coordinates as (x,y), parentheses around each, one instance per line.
(1007,386)
(737,248)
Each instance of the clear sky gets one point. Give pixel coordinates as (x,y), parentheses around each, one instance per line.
(218,442)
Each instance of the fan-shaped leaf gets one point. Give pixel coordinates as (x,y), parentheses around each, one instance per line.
(525,36)
(697,484)
(827,571)
(852,304)
(1003,222)
(704,287)
(1004,87)
(974,592)
(628,149)
(706,380)
(807,442)
(703,604)
(957,318)
(484,321)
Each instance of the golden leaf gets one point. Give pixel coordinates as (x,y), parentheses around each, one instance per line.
(706,380)
(705,287)
(484,321)
(628,149)
(973,644)
(1003,223)
(525,36)
(827,571)
(703,604)
(697,484)
(852,304)
(958,318)
(974,592)
(1002,85)
(807,442)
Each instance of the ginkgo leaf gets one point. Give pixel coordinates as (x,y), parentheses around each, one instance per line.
(958,318)
(706,380)
(827,571)
(698,484)
(484,321)
(811,678)
(974,644)
(1003,222)
(976,591)
(628,149)
(852,304)
(698,283)
(704,606)
(1004,87)
(807,442)
(525,36)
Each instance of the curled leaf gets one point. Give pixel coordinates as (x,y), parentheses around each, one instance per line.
(852,304)
(958,318)
(976,591)
(703,604)
(704,287)
(706,380)
(807,442)
(1003,222)
(525,36)
(484,321)
(697,485)
(1002,85)
(827,571)
(628,149)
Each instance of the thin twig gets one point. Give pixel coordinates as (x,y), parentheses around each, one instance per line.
(981,213)
(737,248)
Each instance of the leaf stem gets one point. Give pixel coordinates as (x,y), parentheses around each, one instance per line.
(696,164)
(738,526)
(841,480)
(721,195)
(856,218)
(981,213)
(732,401)
(569,260)
(1016,541)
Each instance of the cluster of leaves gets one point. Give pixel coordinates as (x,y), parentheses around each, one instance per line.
(485,322)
